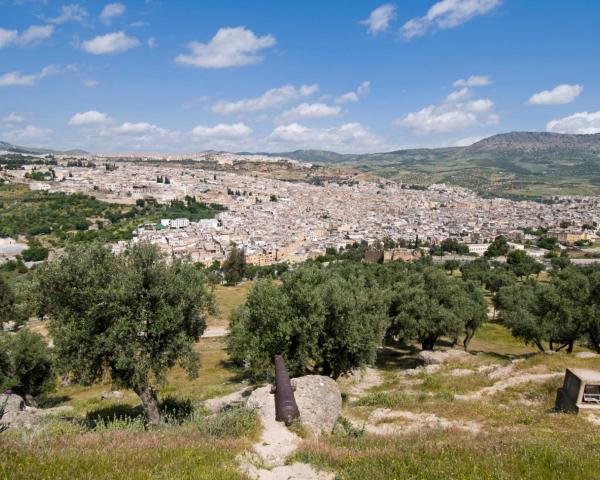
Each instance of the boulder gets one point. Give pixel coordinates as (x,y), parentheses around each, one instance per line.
(319,401)
(12,403)
(430,357)
(586,355)
(318,398)
(112,395)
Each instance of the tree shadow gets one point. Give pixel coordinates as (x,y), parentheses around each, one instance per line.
(51,401)
(402,358)
(112,413)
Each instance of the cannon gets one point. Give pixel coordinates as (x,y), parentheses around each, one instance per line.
(286,409)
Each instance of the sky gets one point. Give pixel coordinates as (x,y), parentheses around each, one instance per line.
(269,75)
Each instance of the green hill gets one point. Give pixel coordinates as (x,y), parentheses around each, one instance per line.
(39,151)
(510,164)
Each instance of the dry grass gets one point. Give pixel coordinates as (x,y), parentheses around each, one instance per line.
(228,299)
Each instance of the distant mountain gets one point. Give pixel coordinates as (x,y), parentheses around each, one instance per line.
(39,151)
(509,164)
(537,141)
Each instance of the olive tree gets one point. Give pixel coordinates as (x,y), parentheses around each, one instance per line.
(27,364)
(429,304)
(132,315)
(321,320)
(7,302)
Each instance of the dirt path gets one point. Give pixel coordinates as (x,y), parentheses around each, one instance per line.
(212,332)
(509,382)
(384,421)
(370,378)
(275,445)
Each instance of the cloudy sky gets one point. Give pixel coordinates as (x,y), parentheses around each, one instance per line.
(350,76)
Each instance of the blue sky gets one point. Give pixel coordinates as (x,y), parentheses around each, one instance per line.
(350,76)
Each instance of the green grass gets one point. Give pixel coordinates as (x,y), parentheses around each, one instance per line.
(129,455)
(454,455)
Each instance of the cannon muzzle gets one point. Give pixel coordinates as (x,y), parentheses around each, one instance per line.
(286,409)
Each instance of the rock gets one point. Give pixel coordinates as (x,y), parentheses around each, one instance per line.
(586,355)
(16,414)
(319,401)
(112,395)
(318,398)
(30,401)
(12,403)
(430,357)
(231,400)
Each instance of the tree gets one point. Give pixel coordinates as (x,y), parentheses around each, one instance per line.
(592,319)
(522,264)
(495,280)
(476,270)
(321,320)
(565,307)
(474,311)
(522,314)
(453,245)
(30,366)
(133,315)
(499,247)
(7,302)
(234,266)
(429,305)
(451,265)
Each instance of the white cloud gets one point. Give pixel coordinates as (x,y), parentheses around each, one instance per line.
(447,14)
(230,47)
(100,129)
(70,13)
(115,42)
(558,95)
(91,117)
(7,37)
(350,136)
(451,115)
(458,95)
(581,123)
(14,117)
(28,133)
(309,110)
(222,131)
(270,99)
(473,81)
(379,20)
(17,79)
(152,42)
(112,10)
(30,36)
(356,95)
(129,128)
(90,83)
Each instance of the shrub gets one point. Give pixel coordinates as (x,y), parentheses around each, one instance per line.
(234,422)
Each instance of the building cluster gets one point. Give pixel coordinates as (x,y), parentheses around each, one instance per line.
(275,220)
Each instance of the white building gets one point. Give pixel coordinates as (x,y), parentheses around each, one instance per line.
(179,223)
(478,248)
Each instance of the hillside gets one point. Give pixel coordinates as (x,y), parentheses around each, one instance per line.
(516,164)
(38,151)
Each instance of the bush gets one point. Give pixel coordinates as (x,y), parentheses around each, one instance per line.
(29,365)
(234,422)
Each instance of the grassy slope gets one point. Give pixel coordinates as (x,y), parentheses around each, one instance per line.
(520,437)
(502,173)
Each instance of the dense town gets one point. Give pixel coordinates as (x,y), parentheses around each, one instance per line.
(283,221)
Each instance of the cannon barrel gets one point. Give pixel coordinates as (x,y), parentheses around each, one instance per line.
(286,409)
